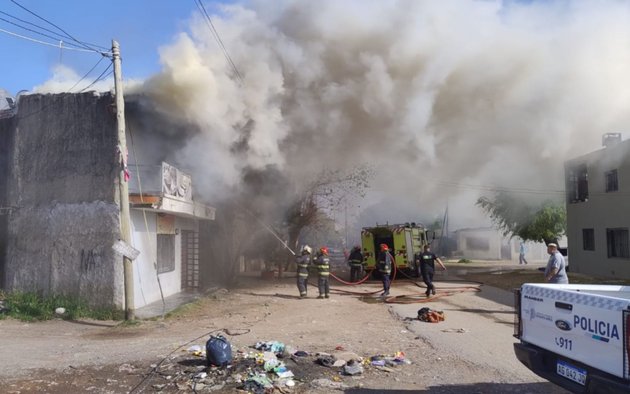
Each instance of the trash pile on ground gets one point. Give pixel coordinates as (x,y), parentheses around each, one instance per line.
(265,367)
(430,316)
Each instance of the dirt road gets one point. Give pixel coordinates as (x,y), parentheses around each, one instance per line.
(470,352)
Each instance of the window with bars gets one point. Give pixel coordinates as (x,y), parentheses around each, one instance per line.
(588,239)
(612,185)
(617,242)
(165,253)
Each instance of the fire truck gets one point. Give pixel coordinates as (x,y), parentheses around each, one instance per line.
(403,240)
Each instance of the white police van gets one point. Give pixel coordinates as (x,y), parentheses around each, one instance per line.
(576,336)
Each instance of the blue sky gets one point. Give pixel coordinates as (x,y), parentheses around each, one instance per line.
(140,26)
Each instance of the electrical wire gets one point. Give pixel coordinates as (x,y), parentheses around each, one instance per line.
(217,37)
(87,73)
(46,43)
(81,43)
(58,38)
(100,77)
(146,222)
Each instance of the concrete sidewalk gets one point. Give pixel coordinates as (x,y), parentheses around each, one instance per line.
(159,308)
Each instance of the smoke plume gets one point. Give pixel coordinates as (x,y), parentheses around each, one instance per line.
(445,100)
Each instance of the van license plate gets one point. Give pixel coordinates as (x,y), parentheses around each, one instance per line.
(571,372)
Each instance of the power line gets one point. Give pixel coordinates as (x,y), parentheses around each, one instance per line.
(48,43)
(217,37)
(494,188)
(81,43)
(87,73)
(100,77)
(57,36)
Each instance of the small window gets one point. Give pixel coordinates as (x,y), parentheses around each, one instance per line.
(577,184)
(617,242)
(165,253)
(588,239)
(611,181)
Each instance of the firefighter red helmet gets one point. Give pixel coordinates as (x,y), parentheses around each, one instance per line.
(324,250)
(384,247)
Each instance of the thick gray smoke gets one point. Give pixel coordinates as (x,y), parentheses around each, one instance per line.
(445,99)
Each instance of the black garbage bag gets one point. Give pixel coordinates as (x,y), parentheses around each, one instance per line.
(218,351)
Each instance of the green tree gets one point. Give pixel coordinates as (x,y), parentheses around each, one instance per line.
(540,222)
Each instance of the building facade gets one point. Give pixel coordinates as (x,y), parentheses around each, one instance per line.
(598,214)
(488,243)
(60,208)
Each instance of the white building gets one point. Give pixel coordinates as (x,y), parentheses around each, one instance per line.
(598,214)
(488,243)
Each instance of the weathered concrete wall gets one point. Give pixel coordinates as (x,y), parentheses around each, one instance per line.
(63,183)
(6,144)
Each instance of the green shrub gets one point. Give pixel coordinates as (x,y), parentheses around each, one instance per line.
(33,307)
(464,261)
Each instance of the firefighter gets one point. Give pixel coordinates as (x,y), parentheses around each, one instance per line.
(427,268)
(302,261)
(355,261)
(384,265)
(322,263)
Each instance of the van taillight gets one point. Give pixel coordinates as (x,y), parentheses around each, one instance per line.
(518,325)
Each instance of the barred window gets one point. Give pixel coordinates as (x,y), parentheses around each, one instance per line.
(165,253)
(617,242)
(588,239)
(612,185)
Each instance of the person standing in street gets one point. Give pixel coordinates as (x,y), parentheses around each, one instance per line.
(384,265)
(322,263)
(556,270)
(427,268)
(521,253)
(302,262)
(355,261)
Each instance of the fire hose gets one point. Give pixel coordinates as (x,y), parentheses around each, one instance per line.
(410,298)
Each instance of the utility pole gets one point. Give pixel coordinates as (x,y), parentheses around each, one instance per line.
(123,187)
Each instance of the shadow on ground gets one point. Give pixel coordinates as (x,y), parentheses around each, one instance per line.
(475,388)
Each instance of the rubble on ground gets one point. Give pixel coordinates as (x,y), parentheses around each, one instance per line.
(266,367)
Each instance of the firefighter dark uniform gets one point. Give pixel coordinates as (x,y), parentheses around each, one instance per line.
(355,260)
(384,265)
(302,261)
(427,261)
(322,263)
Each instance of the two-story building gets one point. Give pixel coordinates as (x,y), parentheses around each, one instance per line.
(598,213)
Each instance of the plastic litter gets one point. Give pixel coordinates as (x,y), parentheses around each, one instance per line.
(218,351)
(301,353)
(353,368)
(271,346)
(285,374)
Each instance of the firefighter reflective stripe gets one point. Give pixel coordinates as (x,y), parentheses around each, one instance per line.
(303,265)
(303,274)
(322,264)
